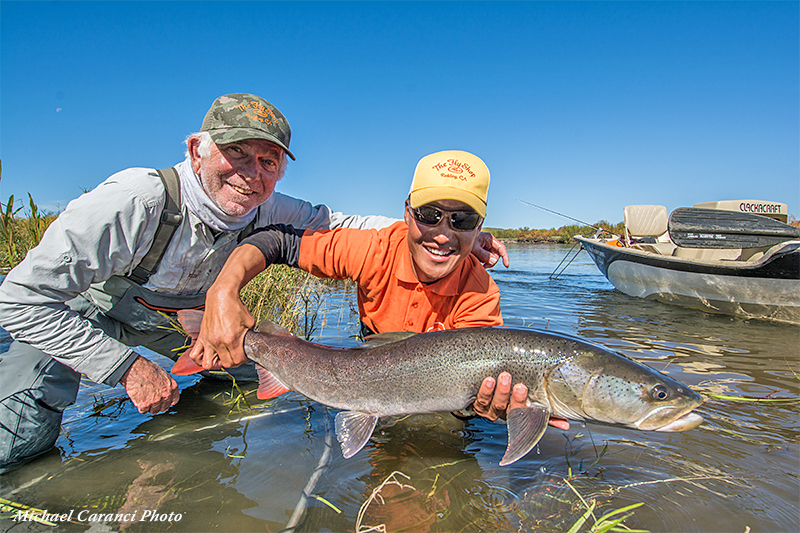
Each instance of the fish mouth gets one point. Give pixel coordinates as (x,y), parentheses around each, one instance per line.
(652,421)
(684,423)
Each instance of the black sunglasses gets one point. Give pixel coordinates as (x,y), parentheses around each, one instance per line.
(459,220)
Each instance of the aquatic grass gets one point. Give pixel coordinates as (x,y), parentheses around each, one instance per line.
(753,399)
(581,471)
(391,479)
(288,297)
(605,522)
(11,510)
(329,504)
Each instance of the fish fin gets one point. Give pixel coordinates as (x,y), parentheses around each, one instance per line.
(268,385)
(271,328)
(353,430)
(185,366)
(379,339)
(526,425)
(190,320)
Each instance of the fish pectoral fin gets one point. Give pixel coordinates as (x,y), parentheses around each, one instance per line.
(526,426)
(268,385)
(184,366)
(353,430)
(190,320)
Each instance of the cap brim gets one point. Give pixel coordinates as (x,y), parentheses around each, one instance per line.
(432,194)
(231,135)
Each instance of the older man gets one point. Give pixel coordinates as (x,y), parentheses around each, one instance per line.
(141,244)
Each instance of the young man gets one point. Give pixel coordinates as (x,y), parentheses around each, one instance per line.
(416,275)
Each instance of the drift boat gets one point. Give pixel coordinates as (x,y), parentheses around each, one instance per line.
(720,257)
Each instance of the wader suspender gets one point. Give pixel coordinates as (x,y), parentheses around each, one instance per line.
(171,218)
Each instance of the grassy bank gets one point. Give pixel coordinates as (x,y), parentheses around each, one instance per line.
(18,234)
(564,234)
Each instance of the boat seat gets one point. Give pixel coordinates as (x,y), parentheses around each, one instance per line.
(660,248)
(716,254)
(648,222)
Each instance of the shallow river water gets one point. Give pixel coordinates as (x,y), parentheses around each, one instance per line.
(210,464)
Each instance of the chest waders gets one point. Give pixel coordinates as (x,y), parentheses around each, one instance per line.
(124,299)
(35,388)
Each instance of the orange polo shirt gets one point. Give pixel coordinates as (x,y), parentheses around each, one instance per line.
(389,296)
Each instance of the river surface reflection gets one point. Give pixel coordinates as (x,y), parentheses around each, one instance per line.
(277,466)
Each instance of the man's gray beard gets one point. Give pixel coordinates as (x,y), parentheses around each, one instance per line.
(200,203)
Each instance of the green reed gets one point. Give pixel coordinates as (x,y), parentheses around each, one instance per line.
(18,234)
(289,297)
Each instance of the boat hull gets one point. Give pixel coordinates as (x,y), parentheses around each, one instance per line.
(768,288)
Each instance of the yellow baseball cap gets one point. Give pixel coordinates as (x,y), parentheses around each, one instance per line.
(451,175)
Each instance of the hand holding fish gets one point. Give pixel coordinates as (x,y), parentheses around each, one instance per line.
(150,388)
(221,340)
(494,403)
(220,343)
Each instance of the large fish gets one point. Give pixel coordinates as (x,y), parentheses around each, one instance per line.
(402,373)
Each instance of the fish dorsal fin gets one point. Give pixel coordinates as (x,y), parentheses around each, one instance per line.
(273,329)
(268,385)
(526,426)
(379,339)
(353,430)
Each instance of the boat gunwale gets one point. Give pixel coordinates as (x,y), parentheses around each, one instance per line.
(718,267)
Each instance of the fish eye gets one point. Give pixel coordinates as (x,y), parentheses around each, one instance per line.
(659,393)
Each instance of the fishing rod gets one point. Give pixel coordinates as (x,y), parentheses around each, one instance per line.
(555,275)
(560,214)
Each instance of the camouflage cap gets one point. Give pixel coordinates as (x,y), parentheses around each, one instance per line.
(239,116)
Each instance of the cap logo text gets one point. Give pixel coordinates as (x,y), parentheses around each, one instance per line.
(455,169)
(257,111)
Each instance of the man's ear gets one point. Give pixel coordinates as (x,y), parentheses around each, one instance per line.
(406,214)
(192,145)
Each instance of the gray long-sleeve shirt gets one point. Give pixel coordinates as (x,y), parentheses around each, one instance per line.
(105,233)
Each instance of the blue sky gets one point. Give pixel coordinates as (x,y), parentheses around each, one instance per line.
(582,107)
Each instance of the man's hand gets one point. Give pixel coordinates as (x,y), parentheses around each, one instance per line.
(489,250)
(221,340)
(494,403)
(226,319)
(150,388)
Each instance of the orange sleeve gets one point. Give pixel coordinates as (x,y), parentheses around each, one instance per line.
(340,253)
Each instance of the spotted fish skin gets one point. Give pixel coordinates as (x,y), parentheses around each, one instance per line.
(405,373)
